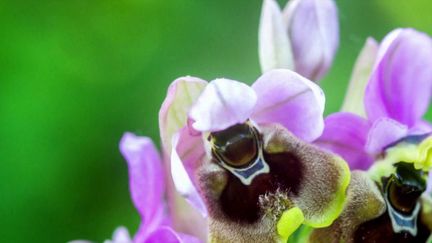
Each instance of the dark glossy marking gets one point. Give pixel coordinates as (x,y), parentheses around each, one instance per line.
(237,145)
(405,187)
(380,230)
(240,202)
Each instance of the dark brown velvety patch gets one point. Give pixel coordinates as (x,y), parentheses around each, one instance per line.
(380,230)
(240,202)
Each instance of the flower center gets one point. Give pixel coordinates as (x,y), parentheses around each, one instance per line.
(402,192)
(238,149)
(237,145)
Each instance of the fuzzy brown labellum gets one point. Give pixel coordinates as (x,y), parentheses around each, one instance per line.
(296,177)
(364,203)
(388,211)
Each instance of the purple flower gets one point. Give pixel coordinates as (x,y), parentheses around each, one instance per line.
(387,137)
(304,37)
(147,187)
(195,112)
(396,97)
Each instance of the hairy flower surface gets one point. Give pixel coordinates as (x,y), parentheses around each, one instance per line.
(388,138)
(241,155)
(303,37)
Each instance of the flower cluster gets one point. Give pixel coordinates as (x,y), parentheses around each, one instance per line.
(260,163)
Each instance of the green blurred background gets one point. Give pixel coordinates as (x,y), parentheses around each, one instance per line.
(76,74)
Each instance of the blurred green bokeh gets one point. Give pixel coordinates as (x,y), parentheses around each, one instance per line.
(76,74)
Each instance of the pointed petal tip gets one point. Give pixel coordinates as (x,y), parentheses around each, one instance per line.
(181,95)
(146,178)
(274,47)
(399,72)
(313,28)
(131,145)
(363,67)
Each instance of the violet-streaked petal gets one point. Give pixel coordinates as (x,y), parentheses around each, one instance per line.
(384,132)
(274,46)
(186,156)
(362,69)
(181,94)
(168,235)
(386,43)
(287,98)
(401,84)
(223,103)
(146,178)
(313,29)
(345,134)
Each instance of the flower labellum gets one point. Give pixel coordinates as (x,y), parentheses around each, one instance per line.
(306,34)
(390,210)
(402,220)
(391,206)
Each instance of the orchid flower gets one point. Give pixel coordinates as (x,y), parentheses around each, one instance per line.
(388,138)
(241,155)
(396,97)
(304,37)
(147,186)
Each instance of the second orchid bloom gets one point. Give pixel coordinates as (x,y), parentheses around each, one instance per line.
(390,139)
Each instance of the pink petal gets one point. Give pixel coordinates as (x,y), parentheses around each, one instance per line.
(182,93)
(313,29)
(186,156)
(168,235)
(401,84)
(289,99)
(274,46)
(383,132)
(360,76)
(146,178)
(223,103)
(345,134)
